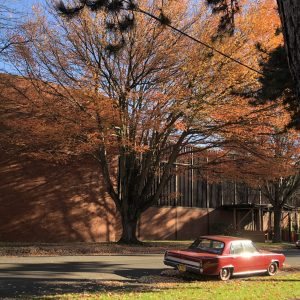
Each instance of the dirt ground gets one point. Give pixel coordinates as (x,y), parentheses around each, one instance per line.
(157,247)
(43,249)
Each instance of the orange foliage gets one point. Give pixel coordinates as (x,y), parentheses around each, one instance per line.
(160,93)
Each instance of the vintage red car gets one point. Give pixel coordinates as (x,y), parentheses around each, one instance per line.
(224,256)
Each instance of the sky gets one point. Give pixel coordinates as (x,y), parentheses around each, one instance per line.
(24,7)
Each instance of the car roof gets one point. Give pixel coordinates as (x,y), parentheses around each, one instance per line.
(224,238)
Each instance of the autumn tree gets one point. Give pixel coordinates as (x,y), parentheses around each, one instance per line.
(266,157)
(6,23)
(135,97)
(9,19)
(228,11)
(281,189)
(143,86)
(289,12)
(277,86)
(271,164)
(276,81)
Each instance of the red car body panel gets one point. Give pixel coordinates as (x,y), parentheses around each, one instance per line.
(206,263)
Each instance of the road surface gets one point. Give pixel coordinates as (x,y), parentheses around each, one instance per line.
(25,276)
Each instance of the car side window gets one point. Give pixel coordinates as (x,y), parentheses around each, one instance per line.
(249,247)
(217,245)
(236,248)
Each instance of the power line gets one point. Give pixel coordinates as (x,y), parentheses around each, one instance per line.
(199,41)
(61,7)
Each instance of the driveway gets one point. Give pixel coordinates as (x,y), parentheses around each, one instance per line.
(28,276)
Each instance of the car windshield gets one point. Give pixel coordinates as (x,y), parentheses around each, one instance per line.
(208,245)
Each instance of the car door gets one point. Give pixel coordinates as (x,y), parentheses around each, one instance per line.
(242,260)
(255,260)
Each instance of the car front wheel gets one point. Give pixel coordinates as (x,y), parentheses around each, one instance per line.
(225,274)
(272,269)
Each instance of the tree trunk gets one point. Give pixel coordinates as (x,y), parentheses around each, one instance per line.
(289,11)
(277,224)
(129,224)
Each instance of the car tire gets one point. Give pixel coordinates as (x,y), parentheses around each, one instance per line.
(225,274)
(272,269)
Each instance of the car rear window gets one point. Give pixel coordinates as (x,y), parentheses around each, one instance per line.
(208,245)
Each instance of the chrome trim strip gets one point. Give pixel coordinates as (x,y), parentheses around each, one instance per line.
(249,255)
(249,272)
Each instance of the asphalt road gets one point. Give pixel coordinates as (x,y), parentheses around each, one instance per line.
(292,257)
(28,276)
(81,267)
(25,277)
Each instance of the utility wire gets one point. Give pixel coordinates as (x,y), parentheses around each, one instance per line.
(199,41)
(137,9)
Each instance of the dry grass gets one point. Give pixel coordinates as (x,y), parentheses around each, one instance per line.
(53,249)
(148,247)
(177,286)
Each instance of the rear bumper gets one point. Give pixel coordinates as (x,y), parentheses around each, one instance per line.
(189,268)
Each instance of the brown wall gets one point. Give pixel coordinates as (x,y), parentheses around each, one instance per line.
(40,202)
(182,223)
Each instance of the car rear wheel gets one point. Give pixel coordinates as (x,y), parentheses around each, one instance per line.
(225,274)
(272,269)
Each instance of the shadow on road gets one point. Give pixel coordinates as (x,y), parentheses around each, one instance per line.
(40,279)
(68,270)
(55,269)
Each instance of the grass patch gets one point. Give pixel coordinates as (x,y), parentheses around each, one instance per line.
(283,286)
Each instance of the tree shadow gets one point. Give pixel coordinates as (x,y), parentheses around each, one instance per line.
(44,202)
(40,279)
(67,269)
